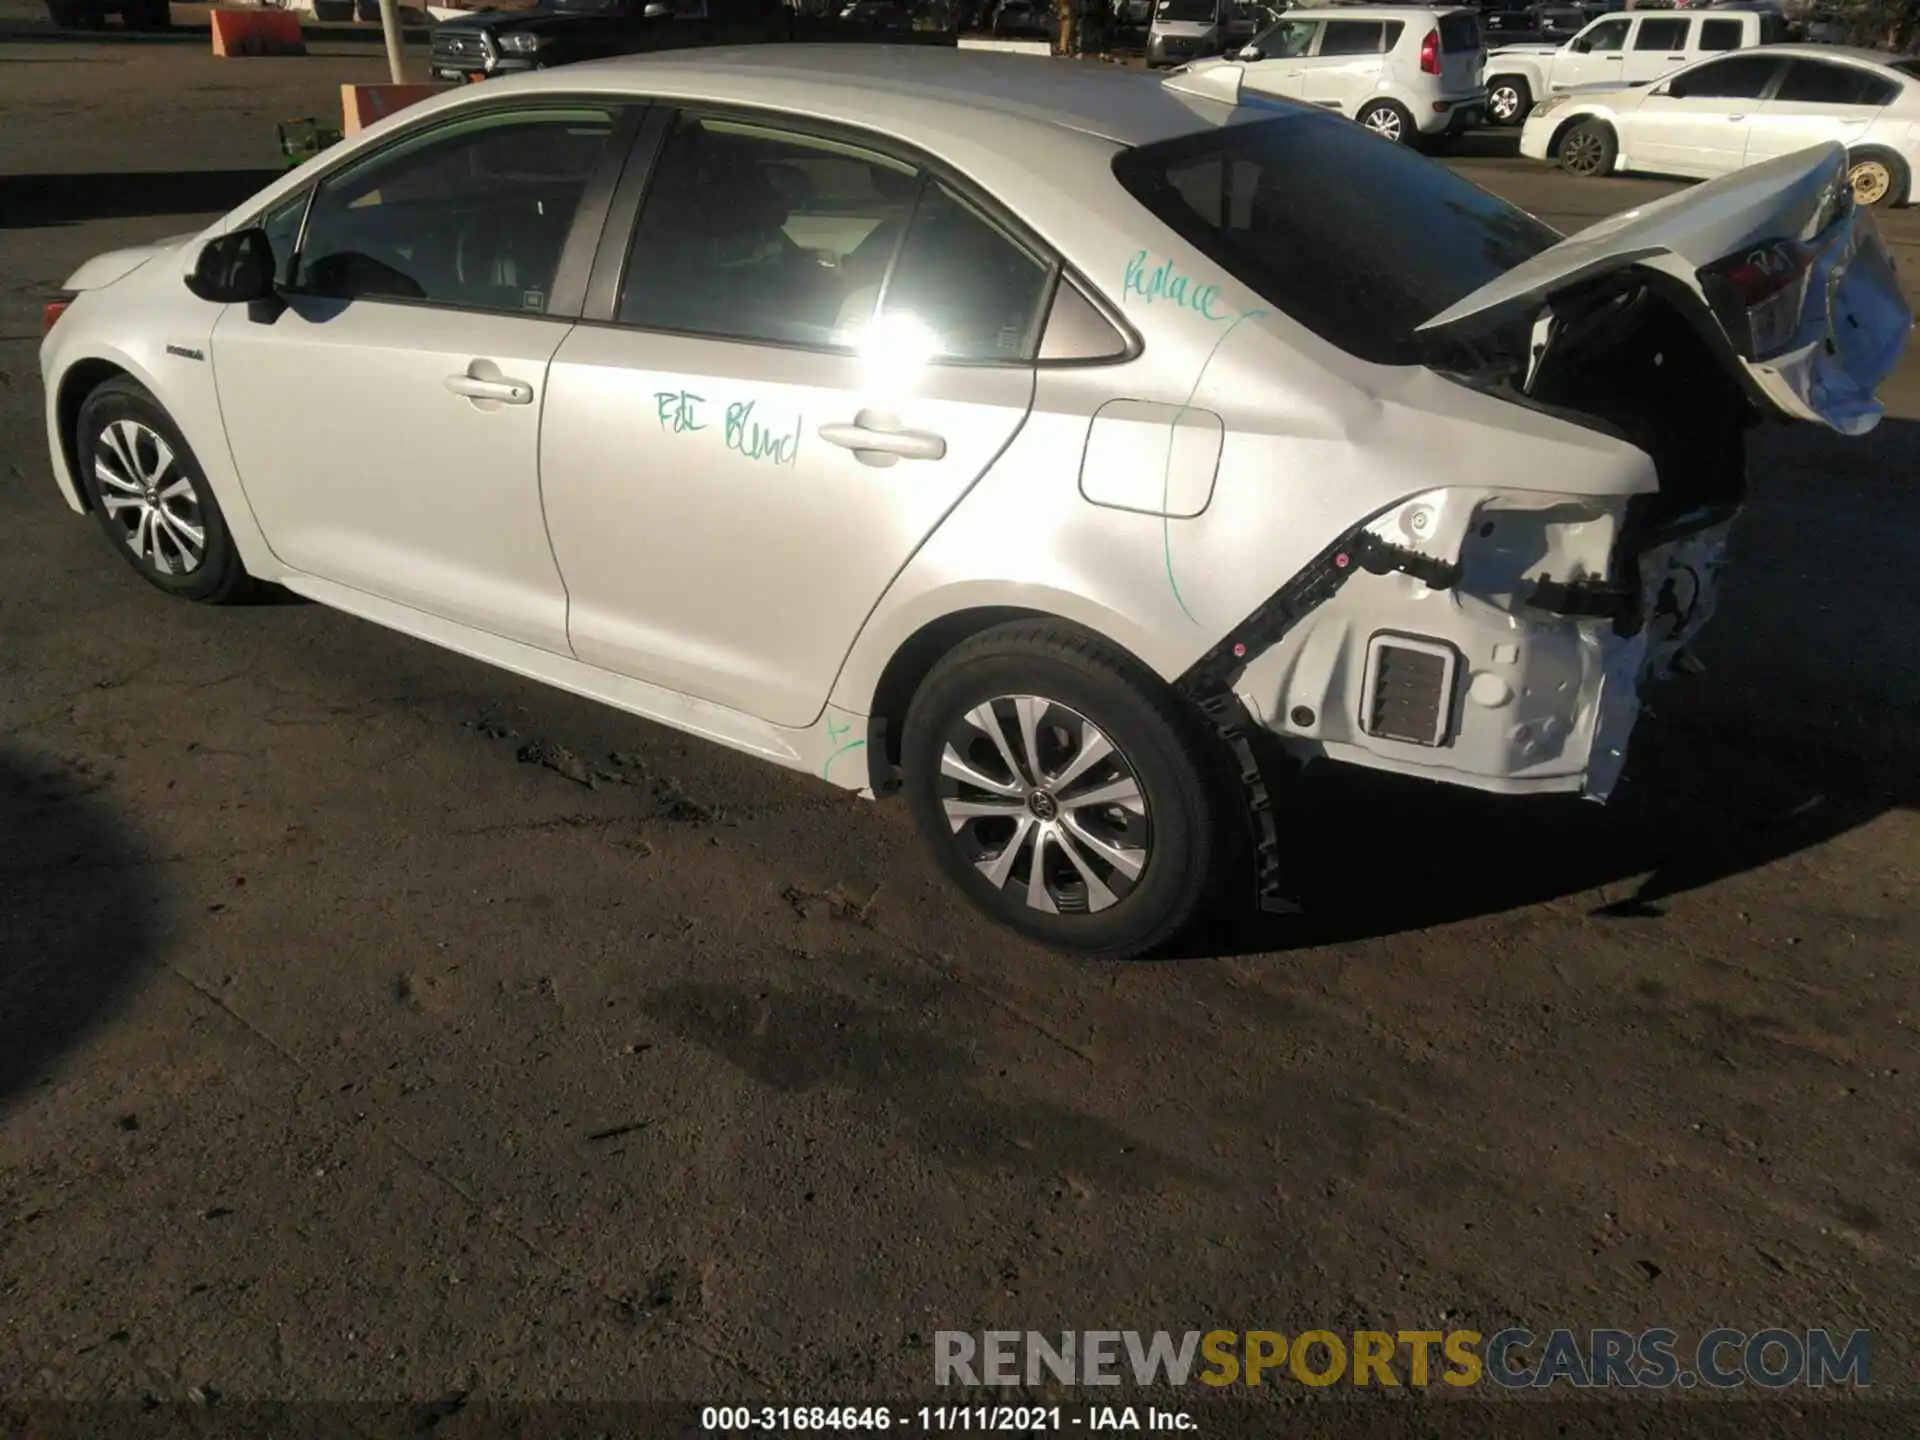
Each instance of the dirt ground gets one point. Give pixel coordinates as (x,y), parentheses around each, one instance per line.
(345,1056)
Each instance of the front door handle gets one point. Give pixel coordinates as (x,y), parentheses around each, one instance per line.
(877,439)
(1735,119)
(504,392)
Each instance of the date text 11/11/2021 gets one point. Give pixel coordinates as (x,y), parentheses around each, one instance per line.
(682,412)
(978,1419)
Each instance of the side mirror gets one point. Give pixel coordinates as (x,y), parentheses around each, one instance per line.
(235,269)
(1249,53)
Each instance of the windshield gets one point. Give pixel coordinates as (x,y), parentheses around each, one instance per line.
(1201,11)
(1358,241)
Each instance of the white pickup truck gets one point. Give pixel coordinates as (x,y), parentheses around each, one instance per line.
(1619,49)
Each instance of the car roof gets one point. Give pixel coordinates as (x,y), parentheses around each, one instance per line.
(913,91)
(1857,54)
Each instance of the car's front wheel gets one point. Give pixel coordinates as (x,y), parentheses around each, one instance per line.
(152,498)
(1067,791)
(1589,149)
(1508,100)
(1388,120)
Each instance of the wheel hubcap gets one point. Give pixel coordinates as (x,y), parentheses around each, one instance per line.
(1504,102)
(144,489)
(1582,154)
(1871,180)
(1043,804)
(1385,124)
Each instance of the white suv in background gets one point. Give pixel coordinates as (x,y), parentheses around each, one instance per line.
(1619,50)
(1405,72)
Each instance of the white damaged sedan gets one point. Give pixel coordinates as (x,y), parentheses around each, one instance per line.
(1040,451)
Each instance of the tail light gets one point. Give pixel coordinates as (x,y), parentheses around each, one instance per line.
(50,316)
(1759,294)
(1430,53)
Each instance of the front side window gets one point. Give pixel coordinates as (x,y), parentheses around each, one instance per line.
(1662,35)
(1288,40)
(1738,77)
(1609,37)
(749,232)
(1352,37)
(472,214)
(1814,82)
(1357,241)
(282,225)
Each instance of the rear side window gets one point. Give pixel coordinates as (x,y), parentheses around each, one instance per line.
(1662,35)
(1357,241)
(1459,33)
(1738,77)
(975,288)
(1815,82)
(1720,34)
(1352,37)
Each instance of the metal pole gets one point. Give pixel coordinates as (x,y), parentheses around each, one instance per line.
(396,55)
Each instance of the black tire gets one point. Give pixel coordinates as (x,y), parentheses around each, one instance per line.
(136,419)
(156,16)
(1190,823)
(1588,150)
(1389,120)
(1509,99)
(1894,178)
(73,14)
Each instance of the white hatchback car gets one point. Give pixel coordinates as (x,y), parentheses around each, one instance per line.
(1043,452)
(1743,109)
(1407,73)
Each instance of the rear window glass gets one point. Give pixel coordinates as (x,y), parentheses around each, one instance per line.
(1459,32)
(1812,82)
(1358,241)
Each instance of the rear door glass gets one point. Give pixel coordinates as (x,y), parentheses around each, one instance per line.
(1814,82)
(1662,35)
(1352,37)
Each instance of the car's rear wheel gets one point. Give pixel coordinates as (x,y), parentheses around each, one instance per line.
(147,15)
(1388,120)
(152,498)
(1067,791)
(1509,98)
(1588,150)
(1878,177)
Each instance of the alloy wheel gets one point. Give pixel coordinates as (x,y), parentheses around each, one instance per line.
(1044,805)
(151,497)
(1504,103)
(1385,123)
(1871,180)
(1580,154)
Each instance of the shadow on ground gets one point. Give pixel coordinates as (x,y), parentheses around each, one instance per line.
(30,201)
(79,913)
(1803,728)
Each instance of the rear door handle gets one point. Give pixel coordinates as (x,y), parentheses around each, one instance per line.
(878,440)
(1735,119)
(505,392)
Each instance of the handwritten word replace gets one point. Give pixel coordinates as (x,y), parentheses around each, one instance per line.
(1167,282)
